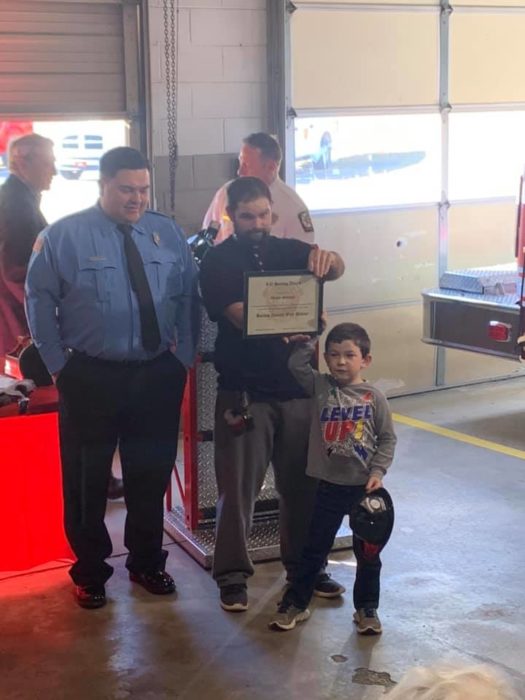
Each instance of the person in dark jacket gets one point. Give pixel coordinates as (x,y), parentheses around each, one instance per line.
(32,168)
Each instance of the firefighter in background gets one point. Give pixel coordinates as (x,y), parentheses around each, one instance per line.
(32,168)
(260,157)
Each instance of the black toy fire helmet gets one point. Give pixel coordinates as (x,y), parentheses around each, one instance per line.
(372,518)
(32,366)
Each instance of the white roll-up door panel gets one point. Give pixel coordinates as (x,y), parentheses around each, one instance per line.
(488,3)
(356,63)
(487,57)
(364,58)
(342,3)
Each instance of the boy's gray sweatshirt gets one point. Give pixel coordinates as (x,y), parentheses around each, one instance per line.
(351,433)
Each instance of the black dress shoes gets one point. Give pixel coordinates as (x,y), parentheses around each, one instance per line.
(115,488)
(90,597)
(158,583)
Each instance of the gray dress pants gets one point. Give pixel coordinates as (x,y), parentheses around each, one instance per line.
(279,436)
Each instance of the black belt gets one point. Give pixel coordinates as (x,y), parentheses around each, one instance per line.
(118,363)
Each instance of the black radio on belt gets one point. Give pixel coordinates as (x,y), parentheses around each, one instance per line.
(239,419)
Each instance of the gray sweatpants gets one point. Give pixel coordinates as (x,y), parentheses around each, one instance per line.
(280,436)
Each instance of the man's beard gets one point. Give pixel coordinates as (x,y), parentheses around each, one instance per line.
(255,235)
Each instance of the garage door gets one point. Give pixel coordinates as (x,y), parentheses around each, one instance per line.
(407,119)
(68,58)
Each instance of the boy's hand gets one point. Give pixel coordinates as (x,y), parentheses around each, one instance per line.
(373,484)
(297,338)
(302,337)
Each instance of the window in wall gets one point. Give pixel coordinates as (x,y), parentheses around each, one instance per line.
(78,148)
(487,154)
(366,161)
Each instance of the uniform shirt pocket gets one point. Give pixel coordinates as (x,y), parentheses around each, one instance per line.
(164,272)
(98,275)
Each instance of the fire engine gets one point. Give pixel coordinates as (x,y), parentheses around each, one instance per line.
(481,309)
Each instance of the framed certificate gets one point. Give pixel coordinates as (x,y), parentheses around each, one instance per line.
(282,303)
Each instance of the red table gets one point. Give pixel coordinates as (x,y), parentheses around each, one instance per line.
(31,506)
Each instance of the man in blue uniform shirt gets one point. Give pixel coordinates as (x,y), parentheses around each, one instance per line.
(112,305)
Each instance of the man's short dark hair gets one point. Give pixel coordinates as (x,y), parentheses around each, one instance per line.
(349,331)
(267,144)
(122,158)
(246,189)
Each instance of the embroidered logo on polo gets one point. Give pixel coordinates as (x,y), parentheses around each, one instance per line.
(306,221)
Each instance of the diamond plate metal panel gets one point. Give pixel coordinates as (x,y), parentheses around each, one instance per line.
(268,491)
(208,334)
(507,301)
(207,484)
(263,544)
(206,395)
(492,281)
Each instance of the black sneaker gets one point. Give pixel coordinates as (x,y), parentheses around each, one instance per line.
(327,587)
(158,582)
(234,597)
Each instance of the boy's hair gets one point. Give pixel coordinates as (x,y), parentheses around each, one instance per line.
(349,331)
(447,683)
(246,189)
(122,158)
(267,144)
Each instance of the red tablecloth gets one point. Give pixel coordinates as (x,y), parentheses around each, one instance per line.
(31,507)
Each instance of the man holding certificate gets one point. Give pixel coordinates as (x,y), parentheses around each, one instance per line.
(260,289)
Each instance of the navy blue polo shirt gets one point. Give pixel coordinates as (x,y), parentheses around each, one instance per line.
(259,366)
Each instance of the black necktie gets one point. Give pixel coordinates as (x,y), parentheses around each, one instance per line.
(149,325)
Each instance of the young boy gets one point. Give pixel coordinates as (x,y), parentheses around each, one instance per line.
(351,446)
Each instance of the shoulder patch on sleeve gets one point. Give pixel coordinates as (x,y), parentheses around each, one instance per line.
(38,244)
(306,221)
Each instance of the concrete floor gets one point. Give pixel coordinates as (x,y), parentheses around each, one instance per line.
(453,589)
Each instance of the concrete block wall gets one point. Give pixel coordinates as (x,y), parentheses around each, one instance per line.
(221,97)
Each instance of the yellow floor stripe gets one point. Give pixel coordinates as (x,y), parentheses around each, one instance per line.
(461,437)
